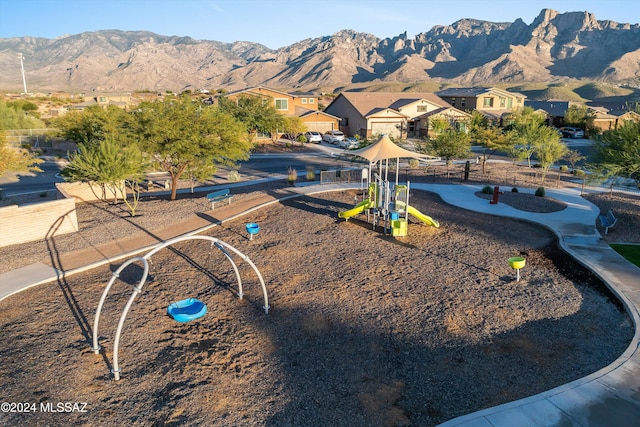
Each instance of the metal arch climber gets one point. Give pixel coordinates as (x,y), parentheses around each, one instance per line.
(224,248)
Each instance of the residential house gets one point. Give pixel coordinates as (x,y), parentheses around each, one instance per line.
(611,115)
(398,115)
(555,110)
(119,100)
(302,105)
(493,102)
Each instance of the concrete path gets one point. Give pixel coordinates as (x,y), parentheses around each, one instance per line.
(608,397)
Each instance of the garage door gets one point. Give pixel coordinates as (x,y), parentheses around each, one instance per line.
(385,128)
(321,127)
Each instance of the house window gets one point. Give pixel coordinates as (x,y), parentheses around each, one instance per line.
(463,102)
(503,102)
(312,101)
(282,104)
(510,103)
(453,102)
(461,126)
(304,100)
(422,109)
(103,99)
(488,102)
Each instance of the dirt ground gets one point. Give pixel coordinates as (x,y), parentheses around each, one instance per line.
(364,329)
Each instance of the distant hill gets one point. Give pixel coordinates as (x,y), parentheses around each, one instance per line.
(572,48)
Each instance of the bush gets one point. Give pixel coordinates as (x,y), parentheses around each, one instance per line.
(514,190)
(564,168)
(578,172)
(487,189)
(540,192)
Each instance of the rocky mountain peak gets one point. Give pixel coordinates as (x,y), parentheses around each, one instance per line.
(555,46)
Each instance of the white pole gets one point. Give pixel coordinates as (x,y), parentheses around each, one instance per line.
(24,80)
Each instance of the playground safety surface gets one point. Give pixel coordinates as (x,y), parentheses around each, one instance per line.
(364,329)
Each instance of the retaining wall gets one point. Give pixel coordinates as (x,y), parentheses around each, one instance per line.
(37,221)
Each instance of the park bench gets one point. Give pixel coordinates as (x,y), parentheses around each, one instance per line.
(607,221)
(218,196)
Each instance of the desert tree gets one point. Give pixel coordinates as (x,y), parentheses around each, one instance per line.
(293,126)
(617,153)
(449,144)
(95,123)
(111,166)
(491,138)
(578,116)
(255,113)
(16,159)
(548,149)
(180,136)
(13,116)
(573,157)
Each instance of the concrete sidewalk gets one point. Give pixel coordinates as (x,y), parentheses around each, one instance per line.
(608,397)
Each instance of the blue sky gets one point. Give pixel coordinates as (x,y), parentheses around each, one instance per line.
(278,23)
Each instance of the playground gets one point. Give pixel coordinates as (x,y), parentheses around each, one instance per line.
(365,328)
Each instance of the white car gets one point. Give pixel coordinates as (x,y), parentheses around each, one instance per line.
(349,143)
(333,136)
(313,136)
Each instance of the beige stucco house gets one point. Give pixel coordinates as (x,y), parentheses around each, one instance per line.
(398,115)
(493,102)
(302,105)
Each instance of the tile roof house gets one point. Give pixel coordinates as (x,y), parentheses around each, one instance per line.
(493,102)
(398,115)
(302,105)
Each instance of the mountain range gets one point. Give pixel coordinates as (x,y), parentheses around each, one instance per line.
(555,47)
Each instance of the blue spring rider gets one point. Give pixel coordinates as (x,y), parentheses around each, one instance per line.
(187,310)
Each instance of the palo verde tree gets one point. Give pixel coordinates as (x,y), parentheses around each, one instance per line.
(182,136)
(522,133)
(548,148)
(110,165)
(618,152)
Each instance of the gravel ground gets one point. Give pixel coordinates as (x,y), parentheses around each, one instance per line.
(364,330)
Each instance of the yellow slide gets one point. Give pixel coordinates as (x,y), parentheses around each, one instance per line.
(362,206)
(422,217)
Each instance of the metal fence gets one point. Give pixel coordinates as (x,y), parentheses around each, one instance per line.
(341,176)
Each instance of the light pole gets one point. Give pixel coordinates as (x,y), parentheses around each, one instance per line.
(24,80)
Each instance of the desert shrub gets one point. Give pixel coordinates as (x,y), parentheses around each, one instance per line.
(292,175)
(564,168)
(540,192)
(234,176)
(514,190)
(578,172)
(311,173)
(487,189)
(414,163)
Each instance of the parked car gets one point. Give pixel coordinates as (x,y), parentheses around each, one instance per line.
(571,132)
(333,135)
(313,136)
(349,143)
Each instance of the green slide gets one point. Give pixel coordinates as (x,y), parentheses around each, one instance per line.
(363,205)
(422,217)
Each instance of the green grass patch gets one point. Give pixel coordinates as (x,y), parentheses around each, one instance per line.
(630,252)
